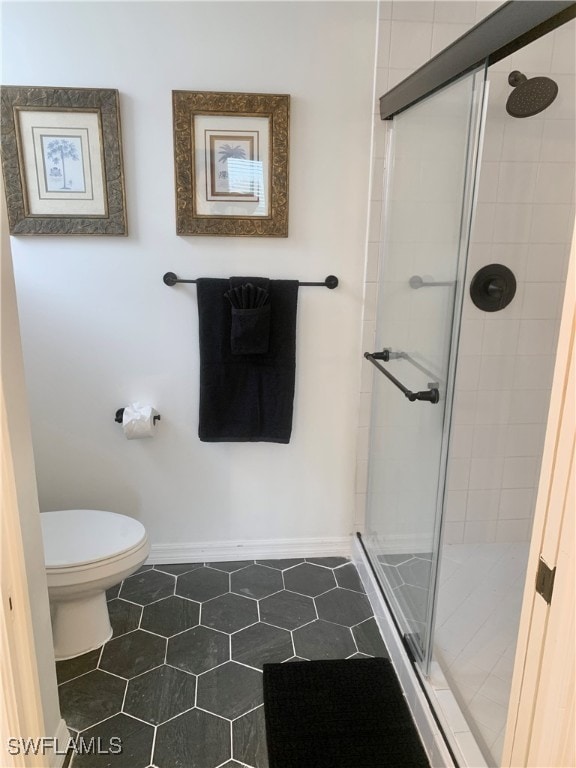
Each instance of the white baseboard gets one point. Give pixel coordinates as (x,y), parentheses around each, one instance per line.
(62,737)
(258,549)
(431,737)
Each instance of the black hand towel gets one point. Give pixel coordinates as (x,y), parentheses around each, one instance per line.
(246,397)
(250,313)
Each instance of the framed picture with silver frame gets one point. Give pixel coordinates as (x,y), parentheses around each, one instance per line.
(62,161)
(231,163)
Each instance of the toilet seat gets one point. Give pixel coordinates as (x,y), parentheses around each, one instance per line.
(80,539)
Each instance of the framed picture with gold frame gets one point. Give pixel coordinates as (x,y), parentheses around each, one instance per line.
(231,163)
(62,161)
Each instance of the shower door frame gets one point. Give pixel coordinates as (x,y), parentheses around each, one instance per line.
(421,694)
(512,26)
(477,122)
(421,654)
(509,28)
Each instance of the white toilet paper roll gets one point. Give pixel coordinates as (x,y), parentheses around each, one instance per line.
(138,421)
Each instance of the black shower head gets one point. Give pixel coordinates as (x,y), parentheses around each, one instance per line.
(529,96)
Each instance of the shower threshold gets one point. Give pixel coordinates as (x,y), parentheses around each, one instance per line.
(445,734)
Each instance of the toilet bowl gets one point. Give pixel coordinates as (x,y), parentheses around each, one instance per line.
(86,552)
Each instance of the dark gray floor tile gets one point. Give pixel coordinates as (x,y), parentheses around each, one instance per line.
(146,587)
(323,640)
(124,616)
(198,650)
(328,562)
(90,698)
(390,559)
(229,613)
(70,668)
(232,565)
(160,694)
(392,575)
(195,739)
(256,581)
(359,656)
(145,567)
(132,654)
(233,764)
(347,576)
(414,600)
(343,607)
(309,579)
(113,591)
(136,743)
(261,644)
(287,609)
(249,739)
(416,572)
(178,568)
(229,690)
(296,658)
(281,565)
(202,584)
(171,615)
(368,638)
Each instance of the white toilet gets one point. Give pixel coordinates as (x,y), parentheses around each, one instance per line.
(86,552)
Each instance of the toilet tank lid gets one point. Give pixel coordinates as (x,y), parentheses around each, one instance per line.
(76,536)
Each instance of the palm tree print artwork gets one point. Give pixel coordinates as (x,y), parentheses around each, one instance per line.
(63,163)
(232,159)
(227,151)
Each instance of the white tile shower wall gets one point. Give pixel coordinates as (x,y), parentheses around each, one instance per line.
(524,219)
(409,33)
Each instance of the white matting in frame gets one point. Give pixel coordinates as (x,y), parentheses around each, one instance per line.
(62,161)
(232,165)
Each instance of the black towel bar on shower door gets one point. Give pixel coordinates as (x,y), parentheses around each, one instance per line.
(431,395)
(171,279)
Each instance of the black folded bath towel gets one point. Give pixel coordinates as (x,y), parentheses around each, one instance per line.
(250,396)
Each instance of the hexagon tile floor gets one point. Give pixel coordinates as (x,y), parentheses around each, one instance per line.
(180,682)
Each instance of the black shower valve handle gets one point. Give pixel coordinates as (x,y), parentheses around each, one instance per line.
(495,288)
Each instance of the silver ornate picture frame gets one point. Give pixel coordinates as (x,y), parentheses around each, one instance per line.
(62,161)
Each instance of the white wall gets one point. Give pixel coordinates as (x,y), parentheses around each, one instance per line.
(99,327)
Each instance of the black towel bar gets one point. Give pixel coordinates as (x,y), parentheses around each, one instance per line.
(387,354)
(171,279)
(431,395)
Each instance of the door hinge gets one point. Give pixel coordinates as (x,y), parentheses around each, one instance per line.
(545,580)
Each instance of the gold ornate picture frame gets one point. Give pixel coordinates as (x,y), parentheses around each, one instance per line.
(62,161)
(231,163)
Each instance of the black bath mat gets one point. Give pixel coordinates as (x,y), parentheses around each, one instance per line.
(338,714)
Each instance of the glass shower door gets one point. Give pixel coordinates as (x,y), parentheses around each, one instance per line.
(426,225)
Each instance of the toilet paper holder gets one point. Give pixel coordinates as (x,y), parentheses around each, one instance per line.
(120,413)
